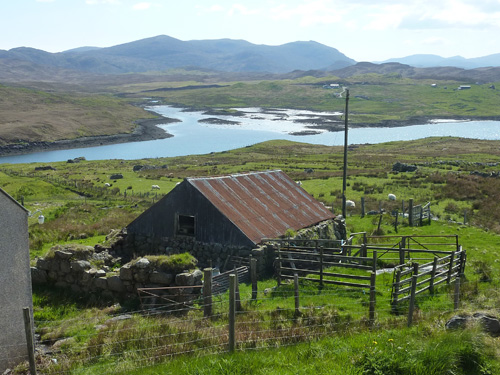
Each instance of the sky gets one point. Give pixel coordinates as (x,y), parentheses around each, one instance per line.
(364,30)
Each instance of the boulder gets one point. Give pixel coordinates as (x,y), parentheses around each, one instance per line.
(403,167)
(61,254)
(161,278)
(115,284)
(457,322)
(490,324)
(101,282)
(116,176)
(80,265)
(126,272)
(184,278)
(38,276)
(198,277)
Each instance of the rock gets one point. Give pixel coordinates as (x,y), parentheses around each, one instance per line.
(100,273)
(490,324)
(141,275)
(115,284)
(80,265)
(65,266)
(198,277)
(38,276)
(162,278)
(403,167)
(63,343)
(61,254)
(45,168)
(101,282)
(118,318)
(184,278)
(116,176)
(457,322)
(142,263)
(126,273)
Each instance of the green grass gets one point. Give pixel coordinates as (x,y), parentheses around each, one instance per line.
(85,214)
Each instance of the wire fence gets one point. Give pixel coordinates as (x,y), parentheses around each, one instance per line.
(274,318)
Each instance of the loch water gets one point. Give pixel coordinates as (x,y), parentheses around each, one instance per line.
(192,137)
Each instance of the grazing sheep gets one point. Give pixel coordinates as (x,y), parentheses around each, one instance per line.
(350,204)
(155,187)
(107,184)
(299,183)
(391,197)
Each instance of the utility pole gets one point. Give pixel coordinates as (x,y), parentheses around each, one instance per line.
(344,182)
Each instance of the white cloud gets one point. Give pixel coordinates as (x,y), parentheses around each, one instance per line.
(96,2)
(310,13)
(243,10)
(142,6)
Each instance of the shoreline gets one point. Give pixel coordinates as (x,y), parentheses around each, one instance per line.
(146,130)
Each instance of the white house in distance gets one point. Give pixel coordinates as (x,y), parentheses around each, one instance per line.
(15,281)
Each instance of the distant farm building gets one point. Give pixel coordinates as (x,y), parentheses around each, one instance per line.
(15,281)
(233,212)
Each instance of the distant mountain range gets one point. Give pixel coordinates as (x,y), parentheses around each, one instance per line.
(163,52)
(430,61)
(232,57)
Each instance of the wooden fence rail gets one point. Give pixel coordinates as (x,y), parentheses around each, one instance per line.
(303,263)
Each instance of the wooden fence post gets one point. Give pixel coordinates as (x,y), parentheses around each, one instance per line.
(402,251)
(362,206)
(433,275)
(278,276)
(421,220)
(238,299)
(429,213)
(396,222)
(321,266)
(253,277)
(371,314)
(28,328)
(414,281)
(410,212)
(450,269)
(232,312)
(462,262)
(207,292)
(395,294)
(456,299)
(296,287)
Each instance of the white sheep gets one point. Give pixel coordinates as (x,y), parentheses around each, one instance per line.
(391,197)
(155,187)
(299,183)
(107,184)
(350,204)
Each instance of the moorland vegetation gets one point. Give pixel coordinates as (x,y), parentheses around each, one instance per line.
(454,175)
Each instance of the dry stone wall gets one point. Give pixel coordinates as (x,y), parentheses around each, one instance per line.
(84,270)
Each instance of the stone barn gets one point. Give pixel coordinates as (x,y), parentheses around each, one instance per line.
(214,217)
(15,281)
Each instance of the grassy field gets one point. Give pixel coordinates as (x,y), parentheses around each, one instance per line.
(332,335)
(33,115)
(374,98)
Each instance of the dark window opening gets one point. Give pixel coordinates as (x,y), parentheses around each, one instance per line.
(185,225)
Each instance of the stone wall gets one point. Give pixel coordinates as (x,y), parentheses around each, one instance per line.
(84,270)
(120,266)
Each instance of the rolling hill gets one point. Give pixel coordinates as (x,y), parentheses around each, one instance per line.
(163,52)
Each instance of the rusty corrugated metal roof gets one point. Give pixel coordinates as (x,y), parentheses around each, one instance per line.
(262,204)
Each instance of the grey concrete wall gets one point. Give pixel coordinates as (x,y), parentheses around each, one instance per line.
(15,281)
